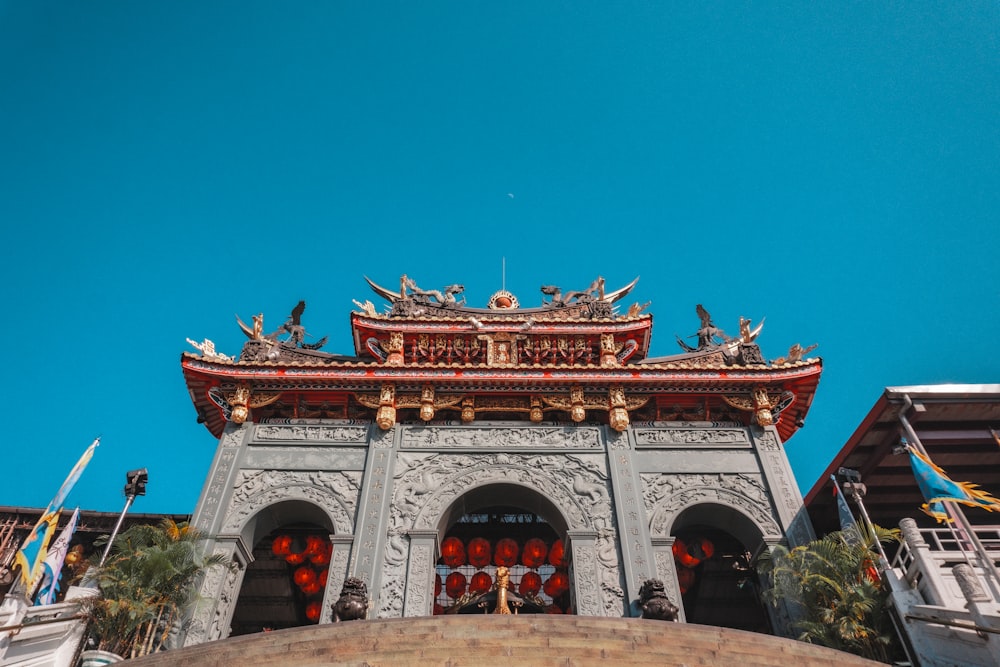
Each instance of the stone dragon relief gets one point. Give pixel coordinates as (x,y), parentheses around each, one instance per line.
(666,495)
(335,492)
(426,485)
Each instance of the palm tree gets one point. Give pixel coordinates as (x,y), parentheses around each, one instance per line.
(146,584)
(834,584)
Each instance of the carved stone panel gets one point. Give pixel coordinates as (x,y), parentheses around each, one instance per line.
(335,492)
(691,437)
(220,480)
(667,495)
(311,431)
(485,438)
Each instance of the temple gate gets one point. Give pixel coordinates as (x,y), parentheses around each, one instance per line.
(495,460)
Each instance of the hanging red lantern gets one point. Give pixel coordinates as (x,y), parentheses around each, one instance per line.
(691,553)
(479,552)
(454,585)
(295,559)
(313,610)
(315,545)
(534,552)
(685,579)
(557,584)
(480,583)
(304,575)
(312,588)
(323,576)
(557,553)
(437,585)
(322,557)
(453,552)
(506,552)
(281,545)
(531,583)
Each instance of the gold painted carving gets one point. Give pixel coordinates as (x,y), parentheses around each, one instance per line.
(468,410)
(609,358)
(394,347)
(535,412)
(759,403)
(241,399)
(386,415)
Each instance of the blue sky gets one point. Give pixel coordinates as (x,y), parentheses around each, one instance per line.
(834,167)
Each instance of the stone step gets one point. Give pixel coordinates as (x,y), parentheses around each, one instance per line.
(484,640)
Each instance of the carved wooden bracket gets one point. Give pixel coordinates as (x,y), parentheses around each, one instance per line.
(242,398)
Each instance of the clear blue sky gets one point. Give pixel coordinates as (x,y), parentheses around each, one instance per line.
(834,167)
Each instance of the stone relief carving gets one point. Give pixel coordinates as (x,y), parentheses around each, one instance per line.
(426,485)
(227,595)
(335,492)
(416,586)
(312,433)
(665,495)
(533,437)
(588,600)
(676,436)
(768,442)
(209,509)
(666,570)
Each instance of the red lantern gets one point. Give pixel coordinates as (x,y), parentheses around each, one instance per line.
(281,545)
(454,585)
(304,575)
(313,610)
(295,559)
(506,552)
(453,552)
(323,575)
(556,554)
(481,582)
(311,588)
(690,554)
(685,579)
(315,545)
(437,585)
(479,552)
(322,557)
(557,584)
(534,552)
(530,584)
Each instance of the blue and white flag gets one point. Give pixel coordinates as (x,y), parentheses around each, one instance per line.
(73,476)
(52,566)
(32,553)
(938,488)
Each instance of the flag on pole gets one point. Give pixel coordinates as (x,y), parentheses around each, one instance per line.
(938,488)
(34,549)
(52,566)
(74,475)
(848,524)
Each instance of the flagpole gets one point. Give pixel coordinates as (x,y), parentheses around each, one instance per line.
(953,508)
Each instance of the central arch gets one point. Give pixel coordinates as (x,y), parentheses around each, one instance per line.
(503,532)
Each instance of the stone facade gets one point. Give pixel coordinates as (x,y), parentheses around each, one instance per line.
(388,496)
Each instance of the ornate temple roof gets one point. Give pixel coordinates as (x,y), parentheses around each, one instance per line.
(429,356)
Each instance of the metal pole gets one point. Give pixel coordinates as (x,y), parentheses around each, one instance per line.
(114,533)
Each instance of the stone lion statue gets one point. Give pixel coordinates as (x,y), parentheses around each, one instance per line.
(353,602)
(654,602)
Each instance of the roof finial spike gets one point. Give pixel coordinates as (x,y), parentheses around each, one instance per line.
(503,273)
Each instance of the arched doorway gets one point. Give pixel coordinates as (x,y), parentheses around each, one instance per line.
(284,585)
(714,550)
(503,526)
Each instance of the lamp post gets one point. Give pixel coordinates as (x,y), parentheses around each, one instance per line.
(853,487)
(135,485)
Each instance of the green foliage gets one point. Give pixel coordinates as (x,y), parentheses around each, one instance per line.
(146,584)
(834,583)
